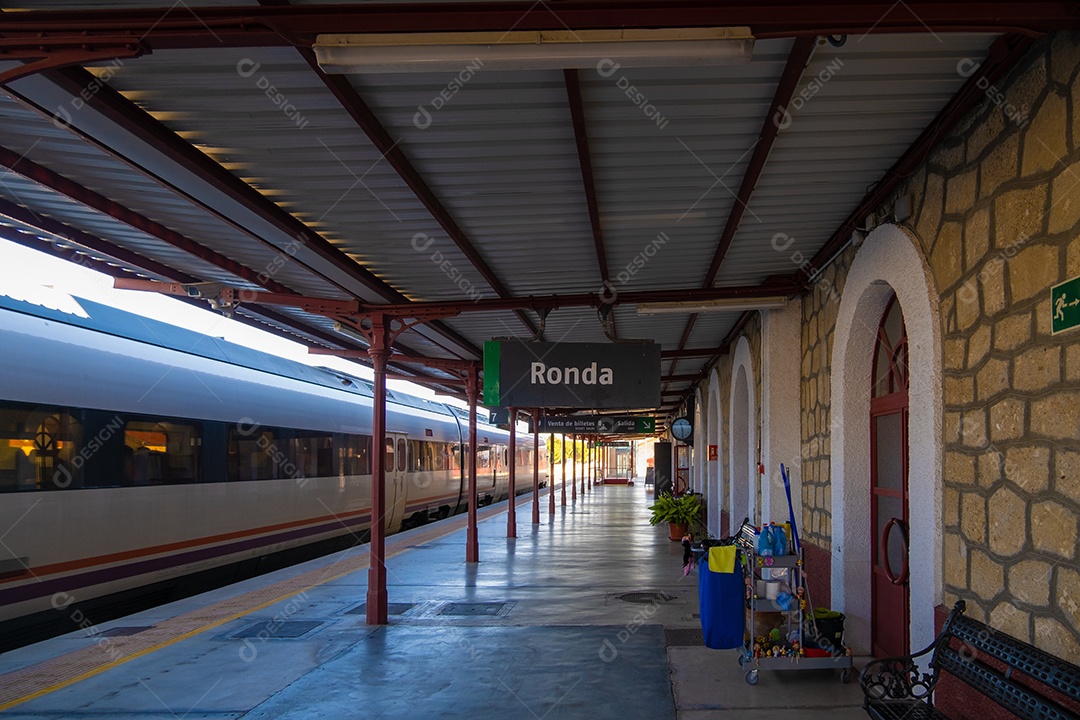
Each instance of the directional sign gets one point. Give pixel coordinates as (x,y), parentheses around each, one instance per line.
(529,374)
(586,425)
(601,425)
(1065,305)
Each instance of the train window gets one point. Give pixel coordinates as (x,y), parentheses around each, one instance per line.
(430,456)
(421,457)
(388,459)
(252,453)
(160,453)
(311,453)
(355,455)
(39,449)
(483,456)
(400,455)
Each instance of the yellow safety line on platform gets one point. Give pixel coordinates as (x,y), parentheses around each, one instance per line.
(18,680)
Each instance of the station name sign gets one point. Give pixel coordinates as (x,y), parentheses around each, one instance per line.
(599,426)
(527,374)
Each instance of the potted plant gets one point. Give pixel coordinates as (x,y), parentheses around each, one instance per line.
(680,513)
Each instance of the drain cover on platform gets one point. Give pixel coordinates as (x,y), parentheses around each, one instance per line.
(647,597)
(391,609)
(474,609)
(287,629)
(683,637)
(124,630)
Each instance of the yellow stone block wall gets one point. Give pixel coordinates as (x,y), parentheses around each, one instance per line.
(997,214)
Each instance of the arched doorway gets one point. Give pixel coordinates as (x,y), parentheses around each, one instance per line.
(716,499)
(889,262)
(890,600)
(743,425)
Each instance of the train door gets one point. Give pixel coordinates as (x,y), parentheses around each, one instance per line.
(396,495)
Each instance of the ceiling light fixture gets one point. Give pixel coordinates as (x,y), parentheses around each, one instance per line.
(532,50)
(722,305)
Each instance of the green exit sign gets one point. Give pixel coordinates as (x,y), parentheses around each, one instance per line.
(1065,305)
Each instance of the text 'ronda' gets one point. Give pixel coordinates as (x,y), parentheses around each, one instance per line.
(541,374)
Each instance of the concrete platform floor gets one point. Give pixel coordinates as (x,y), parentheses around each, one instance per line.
(536,630)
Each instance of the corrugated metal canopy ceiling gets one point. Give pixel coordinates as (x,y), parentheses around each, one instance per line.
(467,187)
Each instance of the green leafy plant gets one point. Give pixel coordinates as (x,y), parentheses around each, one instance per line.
(682,510)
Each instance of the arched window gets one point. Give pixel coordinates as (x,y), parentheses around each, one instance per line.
(891,353)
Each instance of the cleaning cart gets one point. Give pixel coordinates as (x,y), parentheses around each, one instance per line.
(781,628)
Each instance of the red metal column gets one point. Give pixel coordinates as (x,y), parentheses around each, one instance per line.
(511,510)
(592,461)
(589,462)
(573,471)
(536,468)
(472,542)
(551,495)
(564,473)
(582,473)
(377,609)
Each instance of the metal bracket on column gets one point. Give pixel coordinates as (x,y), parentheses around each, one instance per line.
(543,313)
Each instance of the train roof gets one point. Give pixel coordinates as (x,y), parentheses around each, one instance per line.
(58,306)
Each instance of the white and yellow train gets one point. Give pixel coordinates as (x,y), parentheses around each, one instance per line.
(141,462)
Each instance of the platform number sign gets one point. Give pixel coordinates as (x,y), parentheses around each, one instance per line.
(1065,305)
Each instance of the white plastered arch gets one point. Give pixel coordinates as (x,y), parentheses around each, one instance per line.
(889,261)
(701,412)
(714,492)
(742,425)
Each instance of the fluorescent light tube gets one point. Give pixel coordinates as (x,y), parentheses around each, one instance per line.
(723,305)
(542,50)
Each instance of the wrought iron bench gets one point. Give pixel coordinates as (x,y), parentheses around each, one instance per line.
(896,688)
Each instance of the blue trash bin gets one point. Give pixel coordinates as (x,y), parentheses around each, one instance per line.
(723,608)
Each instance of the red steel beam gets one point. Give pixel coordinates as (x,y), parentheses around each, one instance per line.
(21,165)
(391,150)
(51,226)
(581,137)
(217,27)
(690,322)
(1003,55)
(799,56)
(136,121)
(725,346)
(801,50)
(681,378)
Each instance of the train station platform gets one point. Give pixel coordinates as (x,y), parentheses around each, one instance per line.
(587,615)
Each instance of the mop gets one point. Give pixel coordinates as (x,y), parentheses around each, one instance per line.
(798,550)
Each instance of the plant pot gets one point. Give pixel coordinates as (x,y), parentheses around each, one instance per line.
(676,532)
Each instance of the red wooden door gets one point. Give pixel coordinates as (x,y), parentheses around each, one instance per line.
(890,608)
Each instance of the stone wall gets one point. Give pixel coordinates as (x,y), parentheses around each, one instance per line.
(820,307)
(1002,233)
(997,214)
